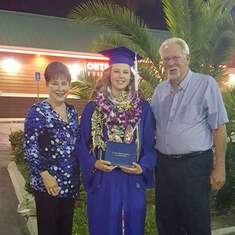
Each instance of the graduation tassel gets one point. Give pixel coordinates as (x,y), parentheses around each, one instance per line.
(136,74)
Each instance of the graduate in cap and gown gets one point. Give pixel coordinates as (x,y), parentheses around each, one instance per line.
(116,149)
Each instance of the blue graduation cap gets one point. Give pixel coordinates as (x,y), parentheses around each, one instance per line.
(121,55)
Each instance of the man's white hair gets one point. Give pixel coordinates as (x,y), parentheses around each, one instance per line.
(179,41)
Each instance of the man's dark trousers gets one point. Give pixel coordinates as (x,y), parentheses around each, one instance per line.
(182,194)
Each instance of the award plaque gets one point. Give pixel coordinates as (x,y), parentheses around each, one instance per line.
(120,154)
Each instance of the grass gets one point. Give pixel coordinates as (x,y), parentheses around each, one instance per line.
(223,220)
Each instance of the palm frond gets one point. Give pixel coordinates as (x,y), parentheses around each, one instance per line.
(84,86)
(202,25)
(150,78)
(150,73)
(146,89)
(177,14)
(184,20)
(109,40)
(120,20)
(223,48)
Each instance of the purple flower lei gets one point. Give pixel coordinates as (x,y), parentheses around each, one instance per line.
(114,116)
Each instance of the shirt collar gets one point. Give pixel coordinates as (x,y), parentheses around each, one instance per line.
(186,80)
(183,84)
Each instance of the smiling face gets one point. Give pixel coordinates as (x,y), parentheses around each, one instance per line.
(120,77)
(58,89)
(175,62)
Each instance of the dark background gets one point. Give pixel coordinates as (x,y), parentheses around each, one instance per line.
(149,10)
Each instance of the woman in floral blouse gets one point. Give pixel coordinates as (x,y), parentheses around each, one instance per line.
(51,131)
(116,124)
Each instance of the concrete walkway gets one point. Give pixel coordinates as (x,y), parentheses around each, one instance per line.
(11,223)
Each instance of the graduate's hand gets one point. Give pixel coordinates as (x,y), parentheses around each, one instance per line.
(104,166)
(50,183)
(135,169)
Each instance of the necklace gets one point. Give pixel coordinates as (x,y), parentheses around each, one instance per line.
(60,110)
(120,115)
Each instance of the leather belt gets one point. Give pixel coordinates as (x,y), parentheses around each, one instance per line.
(187,155)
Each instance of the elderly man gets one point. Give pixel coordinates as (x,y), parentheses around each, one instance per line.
(190,119)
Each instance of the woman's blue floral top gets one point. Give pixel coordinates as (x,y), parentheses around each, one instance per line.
(50,145)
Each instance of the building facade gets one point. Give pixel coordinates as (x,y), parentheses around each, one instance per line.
(28,43)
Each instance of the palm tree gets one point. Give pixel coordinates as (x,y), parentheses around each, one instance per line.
(206,26)
(83,86)
(124,28)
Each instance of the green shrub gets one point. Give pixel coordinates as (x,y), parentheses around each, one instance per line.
(23,167)
(17,139)
(17,146)
(225,198)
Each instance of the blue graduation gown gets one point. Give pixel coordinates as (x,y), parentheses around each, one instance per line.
(111,193)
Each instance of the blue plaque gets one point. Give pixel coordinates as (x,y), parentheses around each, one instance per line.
(120,154)
(37,76)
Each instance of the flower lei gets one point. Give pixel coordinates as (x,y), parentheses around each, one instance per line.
(118,115)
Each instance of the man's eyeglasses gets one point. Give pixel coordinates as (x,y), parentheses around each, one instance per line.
(168,59)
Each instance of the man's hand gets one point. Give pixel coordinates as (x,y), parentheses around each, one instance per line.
(218,176)
(135,169)
(104,166)
(50,183)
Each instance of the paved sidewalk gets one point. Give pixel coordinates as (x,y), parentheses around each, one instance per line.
(11,223)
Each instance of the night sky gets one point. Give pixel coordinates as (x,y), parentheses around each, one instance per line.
(149,10)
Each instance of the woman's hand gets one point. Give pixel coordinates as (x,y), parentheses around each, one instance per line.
(104,166)
(50,183)
(135,169)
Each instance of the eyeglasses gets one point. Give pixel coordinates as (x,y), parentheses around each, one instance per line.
(168,59)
